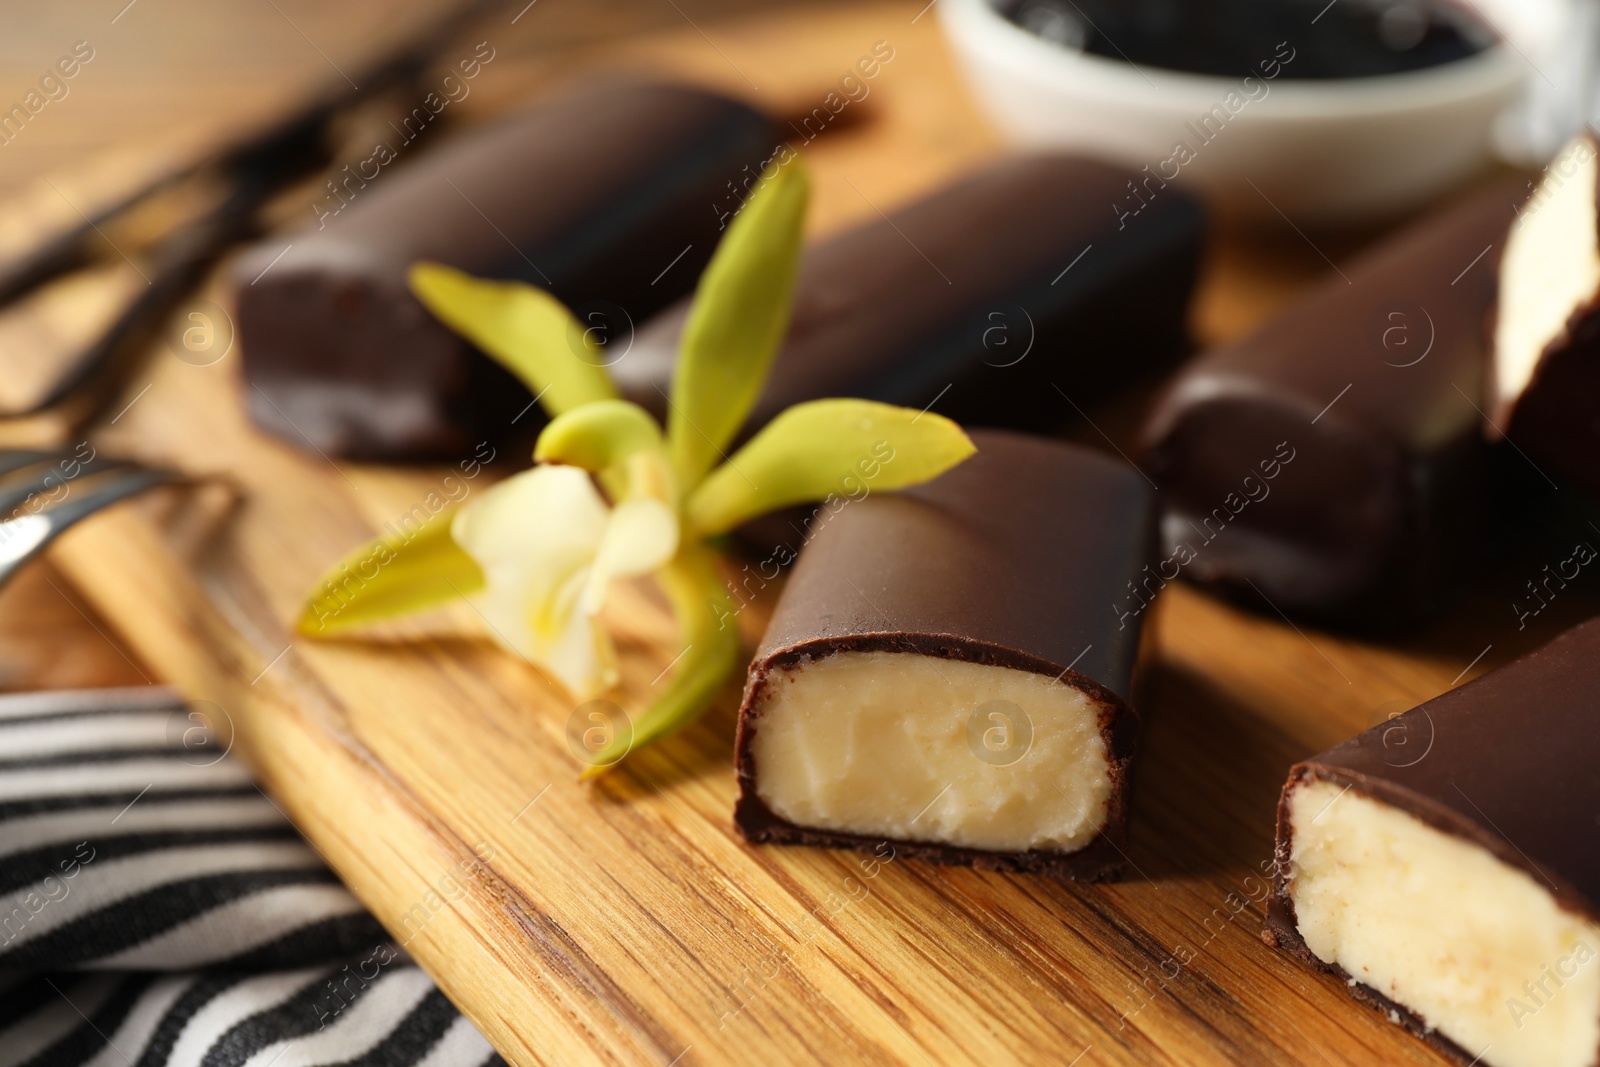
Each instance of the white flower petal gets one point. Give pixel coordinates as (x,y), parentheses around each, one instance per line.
(581,656)
(530,514)
(536,536)
(640,537)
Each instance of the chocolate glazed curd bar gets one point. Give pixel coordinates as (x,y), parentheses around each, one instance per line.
(610,196)
(1545,393)
(979,296)
(1364,397)
(946,670)
(1447,863)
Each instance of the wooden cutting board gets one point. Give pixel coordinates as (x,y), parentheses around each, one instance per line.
(626,922)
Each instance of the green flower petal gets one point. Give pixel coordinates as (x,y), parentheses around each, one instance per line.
(711,653)
(598,436)
(843,447)
(738,319)
(400,574)
(524,329)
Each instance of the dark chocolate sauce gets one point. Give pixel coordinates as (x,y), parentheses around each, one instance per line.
(1235,38)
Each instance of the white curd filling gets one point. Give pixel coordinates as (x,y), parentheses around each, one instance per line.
(905,746)
(1478,949)
(1551,266)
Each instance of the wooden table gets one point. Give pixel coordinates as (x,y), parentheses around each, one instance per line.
(627,922)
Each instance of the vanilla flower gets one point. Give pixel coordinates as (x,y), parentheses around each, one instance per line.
(613,496)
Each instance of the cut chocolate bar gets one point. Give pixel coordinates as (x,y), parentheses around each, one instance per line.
(1446,863)
(1545,376)
(612,197)
(950,668)
(980,297)
(1333,461)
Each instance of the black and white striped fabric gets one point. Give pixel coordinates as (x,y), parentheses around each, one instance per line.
(157,910)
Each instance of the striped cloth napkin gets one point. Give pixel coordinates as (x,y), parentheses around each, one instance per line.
(158,910)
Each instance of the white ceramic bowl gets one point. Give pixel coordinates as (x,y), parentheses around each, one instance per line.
(1318,151)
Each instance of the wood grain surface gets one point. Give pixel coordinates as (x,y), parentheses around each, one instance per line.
(626,922)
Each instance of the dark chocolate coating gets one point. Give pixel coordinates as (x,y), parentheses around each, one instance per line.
(1509,762)
(1375,381)
(937,303)
(1019,557)
(591,196)
(1556,418)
